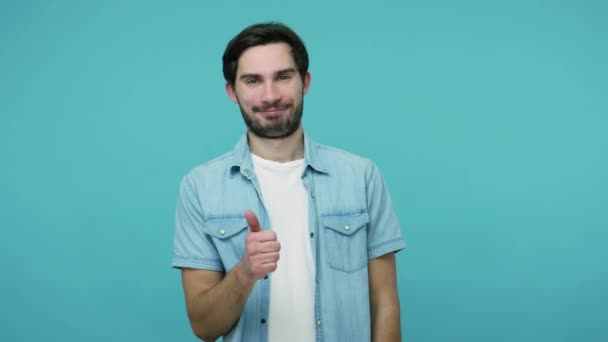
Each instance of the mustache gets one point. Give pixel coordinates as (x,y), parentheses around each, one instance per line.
(271,106)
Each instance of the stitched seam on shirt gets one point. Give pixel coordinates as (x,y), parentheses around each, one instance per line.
(343,213)
(386,250)
(197,263)
(206,267)
(226,216)
(198,259)
(383,245)
(344,269)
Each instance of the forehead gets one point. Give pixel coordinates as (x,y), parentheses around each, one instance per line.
(266,59)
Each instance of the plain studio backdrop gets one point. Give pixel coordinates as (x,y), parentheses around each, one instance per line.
(488,119)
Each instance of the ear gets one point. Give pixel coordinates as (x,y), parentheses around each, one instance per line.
(231,92)
(306,84)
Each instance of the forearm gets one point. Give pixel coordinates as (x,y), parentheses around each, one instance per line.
(214,312)
(386,323)
(384,300)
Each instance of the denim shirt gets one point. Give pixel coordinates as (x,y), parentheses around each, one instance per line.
(351,220)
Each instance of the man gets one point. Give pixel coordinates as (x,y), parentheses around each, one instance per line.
(284,239)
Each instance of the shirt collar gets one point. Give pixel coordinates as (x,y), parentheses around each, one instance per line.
(241,155)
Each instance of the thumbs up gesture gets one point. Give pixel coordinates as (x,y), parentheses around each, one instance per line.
(261,250)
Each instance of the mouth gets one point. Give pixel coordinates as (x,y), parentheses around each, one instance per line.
(272,112)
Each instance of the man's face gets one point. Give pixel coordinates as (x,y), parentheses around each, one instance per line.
(269,90)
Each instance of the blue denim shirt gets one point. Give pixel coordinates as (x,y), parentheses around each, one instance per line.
(351,220)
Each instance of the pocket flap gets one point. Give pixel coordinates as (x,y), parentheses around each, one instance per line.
(346,223)
(225,227)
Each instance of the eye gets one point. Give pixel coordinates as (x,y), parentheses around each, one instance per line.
(252,81)
(284,77)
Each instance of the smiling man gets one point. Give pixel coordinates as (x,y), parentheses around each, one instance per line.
(285,239)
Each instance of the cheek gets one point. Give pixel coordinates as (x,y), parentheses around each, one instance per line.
(247,98)
(297,96)
(296,91)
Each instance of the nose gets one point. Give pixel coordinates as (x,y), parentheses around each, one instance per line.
(271,93)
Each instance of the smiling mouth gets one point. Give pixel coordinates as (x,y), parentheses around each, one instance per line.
(272,111)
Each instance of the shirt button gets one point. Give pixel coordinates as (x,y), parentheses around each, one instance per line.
(222,232)
(263,321)
(266,276)
(312,235)
(347,227)
(318,322)
(245,171)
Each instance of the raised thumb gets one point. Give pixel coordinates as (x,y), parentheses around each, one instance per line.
(252,221)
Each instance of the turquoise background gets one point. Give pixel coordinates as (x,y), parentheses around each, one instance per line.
(488,120)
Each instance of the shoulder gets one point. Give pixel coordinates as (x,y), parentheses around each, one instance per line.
(337,158)
(211,170)
(221,163)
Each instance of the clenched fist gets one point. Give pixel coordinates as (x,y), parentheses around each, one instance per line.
(261,250)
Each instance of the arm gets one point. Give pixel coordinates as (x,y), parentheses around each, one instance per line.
(214,304)
(384,301)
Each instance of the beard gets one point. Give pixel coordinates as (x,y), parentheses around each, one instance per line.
(278,128)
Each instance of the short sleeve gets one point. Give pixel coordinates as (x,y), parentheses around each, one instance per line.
(192,248)
(384,230)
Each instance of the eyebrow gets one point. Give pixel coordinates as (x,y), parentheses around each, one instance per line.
(282,71)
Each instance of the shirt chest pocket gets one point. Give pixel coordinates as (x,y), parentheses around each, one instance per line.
(228,235)
(346,240)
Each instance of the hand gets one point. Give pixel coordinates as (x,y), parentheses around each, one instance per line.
(261,251)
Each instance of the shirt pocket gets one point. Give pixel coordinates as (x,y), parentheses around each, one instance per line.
(346,240)
(228,234)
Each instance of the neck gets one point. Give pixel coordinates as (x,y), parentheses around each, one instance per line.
(279,150)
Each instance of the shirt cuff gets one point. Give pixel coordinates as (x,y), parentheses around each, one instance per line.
(210,264)
(389,246)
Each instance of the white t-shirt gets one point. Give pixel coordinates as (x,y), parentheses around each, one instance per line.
(292,286)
